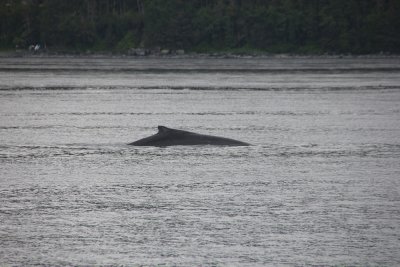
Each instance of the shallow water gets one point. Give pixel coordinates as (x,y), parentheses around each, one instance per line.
(319,185)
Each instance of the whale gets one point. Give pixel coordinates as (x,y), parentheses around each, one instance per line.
(173,137)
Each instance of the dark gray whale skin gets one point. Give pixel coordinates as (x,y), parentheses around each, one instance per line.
(172,137)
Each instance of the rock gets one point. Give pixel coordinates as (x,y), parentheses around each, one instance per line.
(137,52)
(165,52)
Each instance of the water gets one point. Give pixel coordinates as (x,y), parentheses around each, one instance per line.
(319,186)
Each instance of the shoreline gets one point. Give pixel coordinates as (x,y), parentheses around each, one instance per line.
(189,55)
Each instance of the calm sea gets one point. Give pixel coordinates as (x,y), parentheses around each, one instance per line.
(320,185)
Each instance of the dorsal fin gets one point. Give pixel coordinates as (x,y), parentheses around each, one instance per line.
(162,129)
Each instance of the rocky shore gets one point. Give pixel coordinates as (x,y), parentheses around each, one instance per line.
(168,53)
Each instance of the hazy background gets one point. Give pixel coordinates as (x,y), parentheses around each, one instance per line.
(287,26)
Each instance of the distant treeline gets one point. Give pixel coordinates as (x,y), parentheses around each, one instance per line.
(277,26)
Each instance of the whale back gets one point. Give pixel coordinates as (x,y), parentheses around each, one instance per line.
(173,137)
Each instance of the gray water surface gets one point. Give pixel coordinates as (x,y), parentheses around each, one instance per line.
(319,185)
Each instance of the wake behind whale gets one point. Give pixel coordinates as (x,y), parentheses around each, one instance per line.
(173,137)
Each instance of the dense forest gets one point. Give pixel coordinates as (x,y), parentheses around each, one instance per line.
(276,26)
